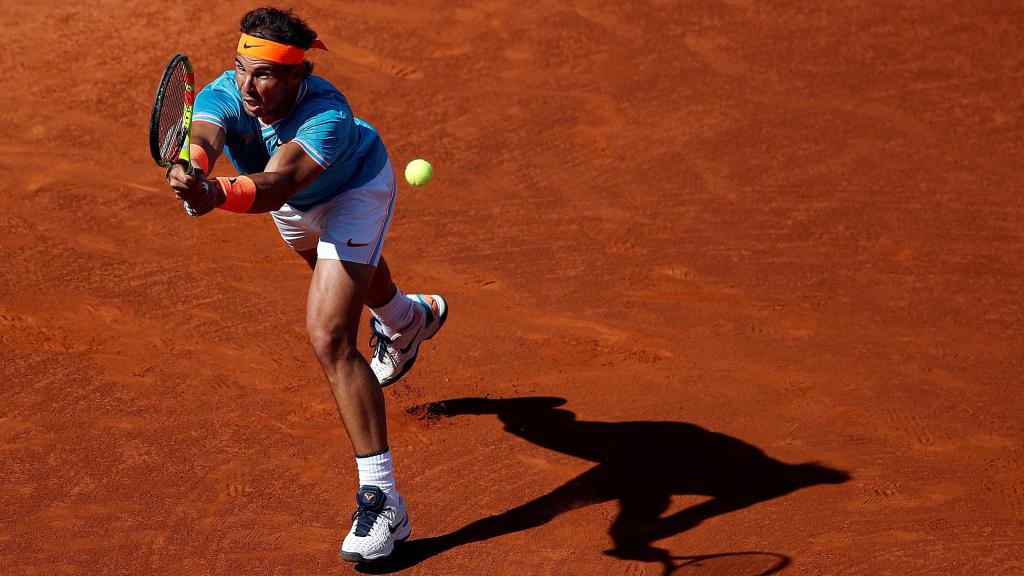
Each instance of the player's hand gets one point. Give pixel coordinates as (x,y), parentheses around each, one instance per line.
(200,195)
(186,187)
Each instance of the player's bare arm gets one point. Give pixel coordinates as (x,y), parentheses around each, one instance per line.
(287,172)
(210,138)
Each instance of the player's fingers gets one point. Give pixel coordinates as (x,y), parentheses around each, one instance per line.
(181,181)
(176,171)
(190,195)
(204,202)
(196,196)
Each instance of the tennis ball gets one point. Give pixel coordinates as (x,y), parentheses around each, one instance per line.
(419,172)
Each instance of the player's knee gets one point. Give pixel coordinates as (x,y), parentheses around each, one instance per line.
(331,343)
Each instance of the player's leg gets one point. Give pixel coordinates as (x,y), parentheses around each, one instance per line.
(355,227)
(400,324)
(351,235)
(336,296)
(332,321)
(383,288)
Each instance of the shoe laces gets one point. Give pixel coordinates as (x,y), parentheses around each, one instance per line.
(379,342)
(365,518)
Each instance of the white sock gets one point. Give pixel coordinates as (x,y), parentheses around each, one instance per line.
(396,315)
(378,471)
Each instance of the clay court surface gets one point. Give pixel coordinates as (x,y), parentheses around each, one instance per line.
(735,289)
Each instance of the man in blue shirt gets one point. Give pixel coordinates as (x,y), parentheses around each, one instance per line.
(325,177)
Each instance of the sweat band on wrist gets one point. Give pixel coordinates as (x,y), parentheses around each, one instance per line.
(240,193)
(197,155)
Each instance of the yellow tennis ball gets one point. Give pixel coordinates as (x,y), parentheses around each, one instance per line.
(419,172)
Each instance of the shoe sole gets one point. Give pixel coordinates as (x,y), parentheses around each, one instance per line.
(357,557)
(408,365)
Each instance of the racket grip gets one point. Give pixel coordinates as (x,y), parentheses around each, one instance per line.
(188,209)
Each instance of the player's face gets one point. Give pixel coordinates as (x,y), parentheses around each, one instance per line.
(268,89)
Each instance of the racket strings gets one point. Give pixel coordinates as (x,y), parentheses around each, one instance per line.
(171,128)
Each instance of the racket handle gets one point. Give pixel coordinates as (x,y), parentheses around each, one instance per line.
(188,209)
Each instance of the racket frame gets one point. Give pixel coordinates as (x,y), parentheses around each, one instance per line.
(186,116)
(184,155)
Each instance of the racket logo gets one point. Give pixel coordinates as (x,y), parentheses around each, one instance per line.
(190,87)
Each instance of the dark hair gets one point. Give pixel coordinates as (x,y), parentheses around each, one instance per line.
(280,26)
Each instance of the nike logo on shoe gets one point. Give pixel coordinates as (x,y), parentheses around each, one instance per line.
(411,342)
(404,521)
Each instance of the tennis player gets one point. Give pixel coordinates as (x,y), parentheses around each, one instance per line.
(325,177)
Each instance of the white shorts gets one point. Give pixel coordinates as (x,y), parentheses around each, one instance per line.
(350,227)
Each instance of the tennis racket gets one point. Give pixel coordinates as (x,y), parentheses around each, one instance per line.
(170,126)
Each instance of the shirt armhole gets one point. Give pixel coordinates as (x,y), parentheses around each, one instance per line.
(211,119)
(312,153)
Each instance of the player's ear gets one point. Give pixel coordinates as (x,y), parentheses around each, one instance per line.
(296,74)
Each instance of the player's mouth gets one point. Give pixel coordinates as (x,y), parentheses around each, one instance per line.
(251,106)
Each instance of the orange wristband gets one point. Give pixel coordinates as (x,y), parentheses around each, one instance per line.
(240,193)
(197,155)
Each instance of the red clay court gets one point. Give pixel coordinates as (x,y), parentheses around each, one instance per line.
(735,289)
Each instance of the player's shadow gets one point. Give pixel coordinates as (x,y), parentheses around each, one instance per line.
(640,464)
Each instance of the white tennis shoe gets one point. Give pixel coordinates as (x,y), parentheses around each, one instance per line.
(377,526)
(394,356)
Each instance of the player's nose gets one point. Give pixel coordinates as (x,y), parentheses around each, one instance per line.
(247,86)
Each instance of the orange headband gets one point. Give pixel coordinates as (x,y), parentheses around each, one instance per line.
(264,49)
